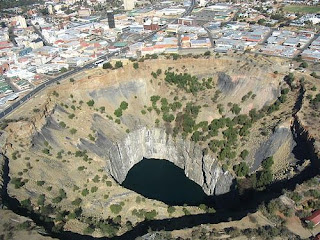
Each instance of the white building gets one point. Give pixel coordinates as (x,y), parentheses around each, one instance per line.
(128,4)
(50,9)
(203,3)
(21,21)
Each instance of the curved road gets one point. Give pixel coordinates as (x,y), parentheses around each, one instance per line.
(87,66)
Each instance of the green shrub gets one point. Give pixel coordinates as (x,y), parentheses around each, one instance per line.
(96,179)
(85,192)
(241,169)
(171,209)
(115,208)
(62,124)
(41,199)
(118,112)
(244,154)
(89,230)
(76,202)
(56,199)
(107,65)
(73,131)
(150,215)
(267,163)
(123,105)
(118,64)
(40,183)
(94,189)
(90,103)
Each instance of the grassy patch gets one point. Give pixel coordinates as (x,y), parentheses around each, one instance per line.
(302,9)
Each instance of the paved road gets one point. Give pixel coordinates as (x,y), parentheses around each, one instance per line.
(265,39)
(87,66)
(45,42)
(209,36)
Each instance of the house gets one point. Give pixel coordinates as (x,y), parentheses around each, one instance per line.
(185,42)
(37,43)
(311,55)
(314,218)
(200,43)
(4,67)
(188,21)
(25,51)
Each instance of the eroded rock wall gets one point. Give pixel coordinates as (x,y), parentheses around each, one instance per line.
(156,143)
(279,145)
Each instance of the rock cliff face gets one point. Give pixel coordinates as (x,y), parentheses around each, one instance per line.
(1,176)
(156,143)
(3,137)
(280,142)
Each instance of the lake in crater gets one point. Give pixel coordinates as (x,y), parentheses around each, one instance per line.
(162,180)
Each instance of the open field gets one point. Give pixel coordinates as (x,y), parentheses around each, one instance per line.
(302,9)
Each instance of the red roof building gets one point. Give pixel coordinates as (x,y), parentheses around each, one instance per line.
(314,218)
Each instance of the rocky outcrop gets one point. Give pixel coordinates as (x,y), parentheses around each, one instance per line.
(280,142)
(225,83)
(311,147)
(155,143)
(1,176)
(3,137)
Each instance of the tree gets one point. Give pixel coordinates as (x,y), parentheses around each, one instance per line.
(107,65)
(89,230)
(118,112)
(41,199)
(76,202)
(123,105)
(85,192)
(73,131)
(118,64)
(72,80)
(57,199)
(289,79)
(304,65)
(267,163)
(150,215)
(314,74)
(244,154)
(154,99)
(264,178)
(115,208)
(135,65)
(196,136)
(235,109)
(168,117)
(63,70)
(171,209)
(241,169)
(90,103)
(207,53)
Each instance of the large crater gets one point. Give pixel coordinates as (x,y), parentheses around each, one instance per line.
(76,139)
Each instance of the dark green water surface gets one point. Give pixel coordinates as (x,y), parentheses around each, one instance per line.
(162,180)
